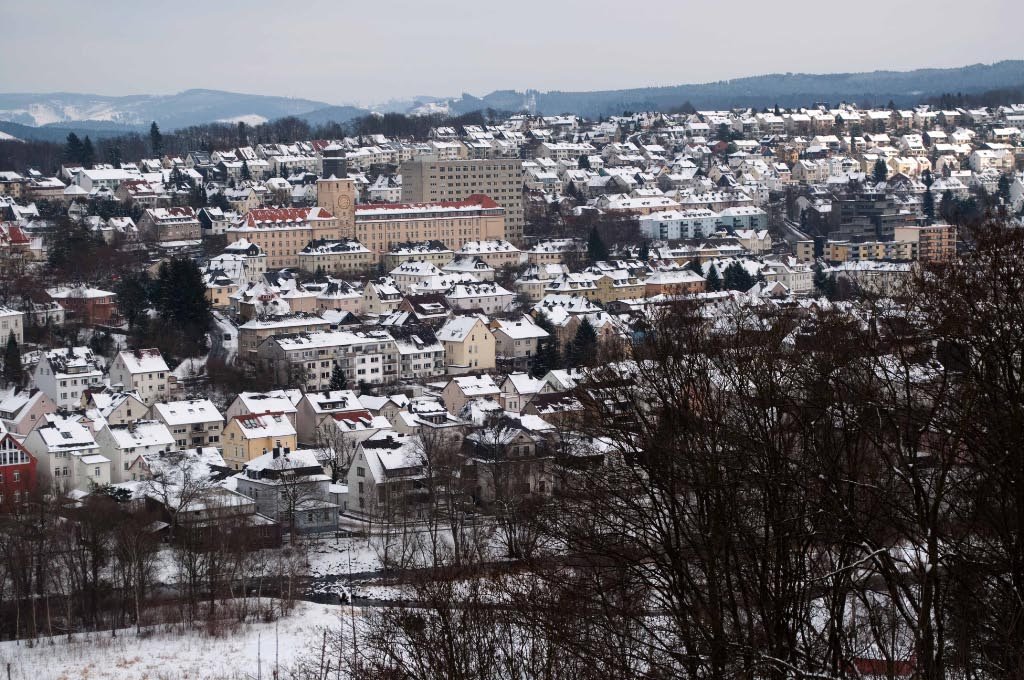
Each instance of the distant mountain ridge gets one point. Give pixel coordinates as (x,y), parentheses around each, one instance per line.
(785,89)
(50,116)
(191,107)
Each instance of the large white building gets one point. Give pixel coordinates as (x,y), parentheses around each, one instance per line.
(671,225)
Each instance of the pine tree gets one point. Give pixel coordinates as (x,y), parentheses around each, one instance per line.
(736,277)
(156,140)
(548,358)
(243,138)
(596,249)
(180,298)
(928,201)
(582,351)
(1004,188)
(583,162)
(645,251)
(88,153)
(881,171)
(245,170)
(713,281)
(12,362)
(694,266)
(73,149)
(948,207)
(338,379)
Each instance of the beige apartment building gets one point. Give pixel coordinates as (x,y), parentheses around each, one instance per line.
(381,227)
(454,180)
(281,233)
(932,243)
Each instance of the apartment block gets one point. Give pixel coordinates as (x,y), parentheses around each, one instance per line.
(455,180)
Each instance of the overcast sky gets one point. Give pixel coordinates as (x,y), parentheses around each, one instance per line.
(340,51)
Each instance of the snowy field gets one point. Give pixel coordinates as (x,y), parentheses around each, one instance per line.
(247,652)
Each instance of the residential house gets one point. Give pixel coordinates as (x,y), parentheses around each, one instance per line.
(247,437)
(63,374)
(18,470)
(143,371)
(194,423)
(468,344)
(68,454)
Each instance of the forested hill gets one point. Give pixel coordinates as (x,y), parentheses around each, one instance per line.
(789,89)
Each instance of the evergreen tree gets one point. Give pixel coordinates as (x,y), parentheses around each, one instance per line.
(12,362)
(243,138)
(338,379)
(694,266)
(736,277)
(1004,188)
(881,171)
(156,140)
(824,284)
(133,297)
(73,149)
(88,153)
(948,207)
(928,201)
(582,351)
(645,251)
(548,358)
(179,296)
(596,249)
(713,281)
(583,162)
(245,170)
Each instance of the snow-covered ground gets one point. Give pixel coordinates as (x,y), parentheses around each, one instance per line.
(229,331)
(174,655)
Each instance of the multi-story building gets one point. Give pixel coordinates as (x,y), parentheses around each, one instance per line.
(17,473)
(434,252)
(468,344)
(283,232)
(342,257)
(455,180)
(309,358)
(170,224)
(255,331)
(247,437)
(382,227)
(194,423)
(291,488)
(141,370)
(932,243)
(122,444)
(11,323)
(68,454)
(63,374)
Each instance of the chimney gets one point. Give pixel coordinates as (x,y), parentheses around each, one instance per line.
(287,450)
(277,452)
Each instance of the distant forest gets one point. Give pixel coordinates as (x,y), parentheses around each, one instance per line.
(47,157)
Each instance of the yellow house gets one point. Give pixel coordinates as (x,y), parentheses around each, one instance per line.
(250,436)
(468,344)
(617,285)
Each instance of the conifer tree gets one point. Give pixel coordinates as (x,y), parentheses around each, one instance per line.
(338,379)
(12,362)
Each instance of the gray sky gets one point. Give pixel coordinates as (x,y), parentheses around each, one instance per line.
(340,51)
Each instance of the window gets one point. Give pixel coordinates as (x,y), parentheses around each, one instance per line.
(96,472)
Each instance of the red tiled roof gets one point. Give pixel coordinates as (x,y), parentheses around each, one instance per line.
(353,416)
(480,200)
(270,215)
(11,234)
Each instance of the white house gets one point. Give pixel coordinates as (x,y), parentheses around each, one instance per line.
(142,370)
(122,444)
(65,373)
(68,454)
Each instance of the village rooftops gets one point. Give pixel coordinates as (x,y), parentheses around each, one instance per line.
(189,412)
